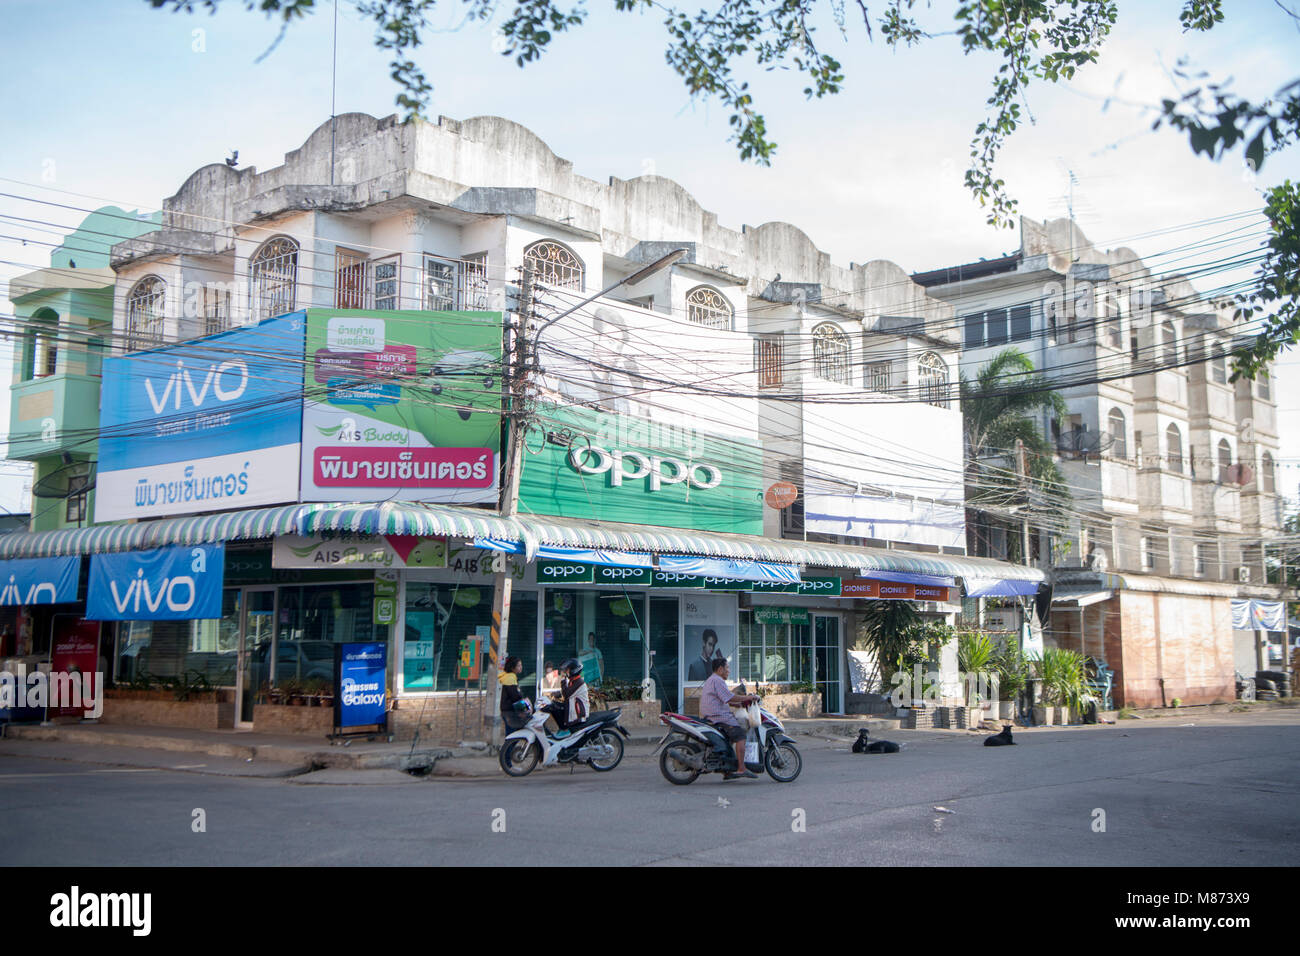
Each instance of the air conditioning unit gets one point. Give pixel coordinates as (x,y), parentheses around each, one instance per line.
(1243,574)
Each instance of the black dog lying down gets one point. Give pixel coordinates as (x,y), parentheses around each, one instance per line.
(864,746)
(1000,740)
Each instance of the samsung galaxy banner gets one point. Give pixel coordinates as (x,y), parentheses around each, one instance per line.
(165,584)
(206,425)
(360,693)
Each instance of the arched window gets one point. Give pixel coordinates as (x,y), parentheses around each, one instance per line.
(1170,341)
(1225,459)
(707,306)
(1174,448)
(1263,385)
(1219,366)
(831,353)
(1118,433)
(273,278)
(144,313)
(1268,486)
(932,376)
(41,351)
(555,264)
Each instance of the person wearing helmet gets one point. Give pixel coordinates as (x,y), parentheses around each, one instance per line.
(571,706)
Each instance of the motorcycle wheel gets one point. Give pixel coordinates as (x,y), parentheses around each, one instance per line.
(788,757)
(674,771)
(607,738)
(519,757)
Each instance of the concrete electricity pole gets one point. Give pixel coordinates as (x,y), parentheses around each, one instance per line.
(522,355)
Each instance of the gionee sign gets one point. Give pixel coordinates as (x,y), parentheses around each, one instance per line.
(892,591)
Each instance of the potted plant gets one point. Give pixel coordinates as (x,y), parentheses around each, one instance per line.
(1013,673)
(1064,684)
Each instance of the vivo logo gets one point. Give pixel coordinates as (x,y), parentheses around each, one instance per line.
(227,382)
(170,590)
(594,460)
(12,594)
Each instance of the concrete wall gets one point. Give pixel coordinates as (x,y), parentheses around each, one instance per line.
(1185,639)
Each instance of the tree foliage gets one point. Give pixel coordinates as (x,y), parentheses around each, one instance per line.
(1032,41)
(999,407)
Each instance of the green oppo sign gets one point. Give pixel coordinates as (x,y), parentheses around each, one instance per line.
(628,469)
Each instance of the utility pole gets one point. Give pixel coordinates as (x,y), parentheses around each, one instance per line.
(1022,469)
(503,582)
(523,352)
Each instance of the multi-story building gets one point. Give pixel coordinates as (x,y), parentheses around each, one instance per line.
(1170,466)
(666,417)
(64,317)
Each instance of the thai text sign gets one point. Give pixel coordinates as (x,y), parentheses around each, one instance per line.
(402,406)
(206,425)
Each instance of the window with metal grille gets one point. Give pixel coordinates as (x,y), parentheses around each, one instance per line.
(1266,474)
(932,376)
(878,376)
(273,278)
(216,310)
(349,279)
(707,306)
(385,273)
(441,284)
(831,353)
(1174,447)
(555,264)
(1219,366)
(144,313)
(1225,460)
(475,271)
(1118,433)
(768,358)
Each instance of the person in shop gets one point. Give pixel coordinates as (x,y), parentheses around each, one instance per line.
(593,658)
(514,705)
(571,706)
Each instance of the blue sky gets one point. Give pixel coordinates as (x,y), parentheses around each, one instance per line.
(119,102)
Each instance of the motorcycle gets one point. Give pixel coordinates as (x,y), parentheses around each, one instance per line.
(693,746)
(595,741)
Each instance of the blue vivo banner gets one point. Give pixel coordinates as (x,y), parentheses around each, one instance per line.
(166,584)
(205,425)
(39,581)
(362,678)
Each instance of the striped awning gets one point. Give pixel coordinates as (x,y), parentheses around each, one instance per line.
(466,522)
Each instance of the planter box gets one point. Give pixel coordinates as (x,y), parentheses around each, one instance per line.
(635,713)
(793,705)
(168,712)
(285,719)
(1006,710)
(1045,716)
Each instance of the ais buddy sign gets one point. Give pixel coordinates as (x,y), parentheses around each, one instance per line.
(402,405)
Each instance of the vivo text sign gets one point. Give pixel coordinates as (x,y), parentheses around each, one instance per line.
(165,584)
(206,425)
(39,581)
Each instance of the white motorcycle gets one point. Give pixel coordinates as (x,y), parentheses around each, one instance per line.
(595,742)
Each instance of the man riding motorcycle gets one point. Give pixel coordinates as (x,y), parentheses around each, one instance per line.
(572,705)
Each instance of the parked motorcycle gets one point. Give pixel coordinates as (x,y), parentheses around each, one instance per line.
(693,746)
(595,742)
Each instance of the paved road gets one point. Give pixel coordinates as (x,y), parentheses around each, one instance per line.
(1223,791)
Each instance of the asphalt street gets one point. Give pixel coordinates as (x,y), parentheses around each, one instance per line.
(1210,790)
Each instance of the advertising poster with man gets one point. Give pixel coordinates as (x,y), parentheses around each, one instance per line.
(709,633)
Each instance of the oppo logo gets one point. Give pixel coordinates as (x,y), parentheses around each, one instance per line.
(561,571)
(178,593)
(11,594)
(594,460)
(672,577)
(619,574)
(816,585)
(227,382)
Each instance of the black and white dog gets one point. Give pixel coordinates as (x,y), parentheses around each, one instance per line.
(864,746)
